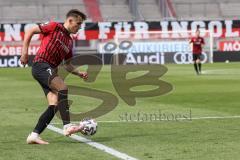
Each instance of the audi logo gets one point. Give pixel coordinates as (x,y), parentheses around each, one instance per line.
(187,58)
(111,46)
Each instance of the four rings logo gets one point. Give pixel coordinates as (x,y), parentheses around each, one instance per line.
(187,58)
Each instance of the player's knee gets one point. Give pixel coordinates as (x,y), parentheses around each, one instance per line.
(63,87)
(52,98)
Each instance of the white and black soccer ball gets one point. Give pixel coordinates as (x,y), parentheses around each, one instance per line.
(90,126)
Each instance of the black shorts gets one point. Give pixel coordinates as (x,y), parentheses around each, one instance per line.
(197,56)
(43,73)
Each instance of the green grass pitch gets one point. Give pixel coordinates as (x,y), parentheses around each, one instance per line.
(214,94)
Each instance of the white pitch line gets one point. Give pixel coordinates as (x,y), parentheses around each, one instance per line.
(217,117)
(99,146)
(179,119)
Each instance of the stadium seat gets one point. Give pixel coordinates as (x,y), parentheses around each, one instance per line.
(149,12)
(116,12)
(206,9)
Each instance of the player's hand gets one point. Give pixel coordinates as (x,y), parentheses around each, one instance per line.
(24,59)
(83,75)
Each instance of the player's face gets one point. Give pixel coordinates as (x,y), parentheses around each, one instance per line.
(75,24)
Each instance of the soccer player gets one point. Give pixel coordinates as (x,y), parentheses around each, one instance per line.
(56,47)
(197,45)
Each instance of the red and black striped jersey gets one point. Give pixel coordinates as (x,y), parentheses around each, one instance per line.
(56,44)
(197,44)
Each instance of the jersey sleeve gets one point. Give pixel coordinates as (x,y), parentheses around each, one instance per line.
(47,27)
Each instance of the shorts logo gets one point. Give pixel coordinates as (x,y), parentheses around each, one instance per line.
(49,71)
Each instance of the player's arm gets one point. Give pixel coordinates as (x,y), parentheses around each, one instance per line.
(190,41)
(202,43)
(27,38)
(191,44)
(71,69)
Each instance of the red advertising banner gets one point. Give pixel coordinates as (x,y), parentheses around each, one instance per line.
(107,30)
(229,45)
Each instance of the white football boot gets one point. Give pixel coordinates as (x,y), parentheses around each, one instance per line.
(34,138)
(69,129)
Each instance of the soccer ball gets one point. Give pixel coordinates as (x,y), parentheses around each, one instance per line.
(90,127)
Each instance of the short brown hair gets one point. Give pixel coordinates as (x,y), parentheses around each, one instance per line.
(76,13)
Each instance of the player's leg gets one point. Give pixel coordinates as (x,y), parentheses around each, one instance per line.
(58,85)
(44,119)
(49,113)
(41,74)
(199,64)
(195,63)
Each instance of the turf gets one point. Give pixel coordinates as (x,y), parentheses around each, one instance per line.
(213,94)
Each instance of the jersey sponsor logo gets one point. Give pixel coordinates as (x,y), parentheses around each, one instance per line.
(197,42)
(66,49)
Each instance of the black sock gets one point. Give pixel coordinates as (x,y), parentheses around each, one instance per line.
(196,67)
(63,106)
(45,119)
(200,67)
